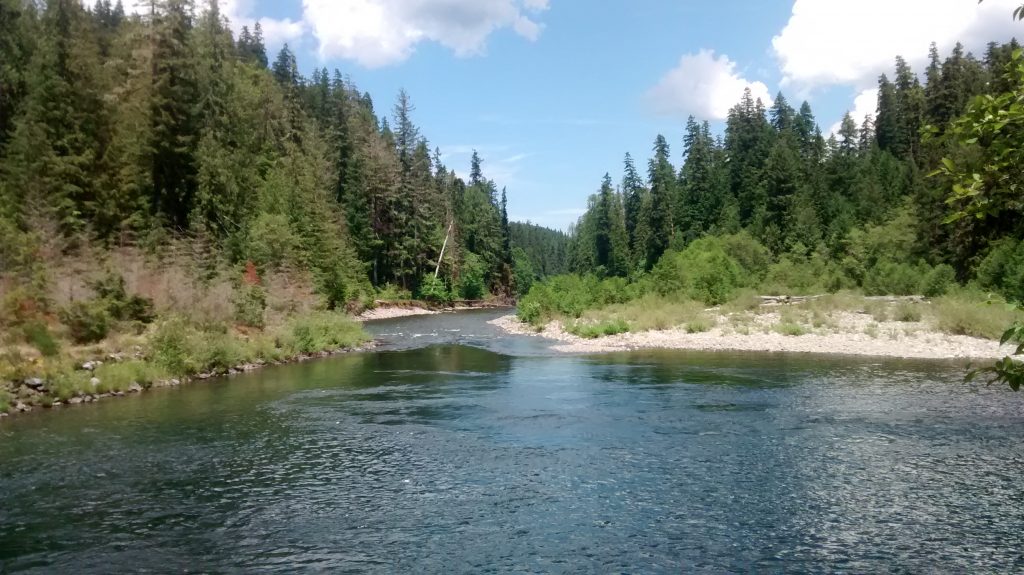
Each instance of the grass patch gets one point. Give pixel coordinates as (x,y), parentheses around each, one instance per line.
(322,331)
(700,325)
(790,329)
(907,312)
(596,330)
(964,315)
(745,300)
(120,376)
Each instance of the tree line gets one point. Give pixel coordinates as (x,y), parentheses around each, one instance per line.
(775,176)
(129,129)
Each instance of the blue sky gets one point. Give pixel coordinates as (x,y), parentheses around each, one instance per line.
(553,93)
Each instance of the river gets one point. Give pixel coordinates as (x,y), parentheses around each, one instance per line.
(457,449)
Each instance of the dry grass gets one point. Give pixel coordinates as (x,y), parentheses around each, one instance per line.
(653,312)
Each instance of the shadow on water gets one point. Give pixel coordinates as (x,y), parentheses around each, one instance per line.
(457,449)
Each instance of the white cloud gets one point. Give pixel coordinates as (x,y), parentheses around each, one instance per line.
(828,42)
(865,103)
(239,13)
(703,85)
(378,33)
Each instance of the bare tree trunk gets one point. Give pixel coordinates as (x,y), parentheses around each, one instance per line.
(440,258)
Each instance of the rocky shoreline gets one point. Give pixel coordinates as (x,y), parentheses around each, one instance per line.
(887,339)
(38,387)
(395,310)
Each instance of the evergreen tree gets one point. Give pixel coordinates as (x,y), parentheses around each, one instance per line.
(658,216)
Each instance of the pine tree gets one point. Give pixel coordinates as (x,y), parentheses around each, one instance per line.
(633,190)
(661,176)
(173,114)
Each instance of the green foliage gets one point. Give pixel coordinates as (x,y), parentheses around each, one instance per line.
(703,271)
(38,335)
(111,293)
(790,329)
(391,292)
(87,321)
(1002,270)
(907,312)
(323,331)
(890,278)
(250,303)
(433,289)
(472,283)
(596,330)
(961,314)
(119,376)
(939,281)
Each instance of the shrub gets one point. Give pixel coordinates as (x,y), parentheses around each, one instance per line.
(323,331)
(959,314)
(1002,270)
(699,325)
(596,330)
(907,312)
(938,281)
(5,401)
(120,376)
(391,292)
(751,255)
(794,275)
(433,289)
(250,302)
(703,272)
(890,278)
(170,346)
(271,242)
(38,335)
(790,329)
(87,321)
(111,293)
(472,284)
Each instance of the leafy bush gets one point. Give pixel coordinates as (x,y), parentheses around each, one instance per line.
(890,278)
(703,272)
(250,302)
(700,325)
(391,292)
(472,282)
(38,335)
(111,293)
(938,281)
(323,331)
(171,345)
(752,256)
(433,289)
(1002,270)
(271,242)
(790,329)
(794,275)
(960,314)
(121,375)
(87,321)
(907,312)
(596,330)
(559,296)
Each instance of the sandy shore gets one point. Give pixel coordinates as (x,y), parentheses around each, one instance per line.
(856,334)
(393,312)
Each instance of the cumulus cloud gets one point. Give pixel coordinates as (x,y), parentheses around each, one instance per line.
(827,42)
(239,13)
(703,85)
(378,33)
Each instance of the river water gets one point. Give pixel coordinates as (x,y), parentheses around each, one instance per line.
(457,449)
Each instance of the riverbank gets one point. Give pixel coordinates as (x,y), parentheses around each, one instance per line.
(845,333)
(395,310)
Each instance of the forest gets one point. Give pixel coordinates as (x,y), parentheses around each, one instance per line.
(132,130)
(168,187)
(922,198)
